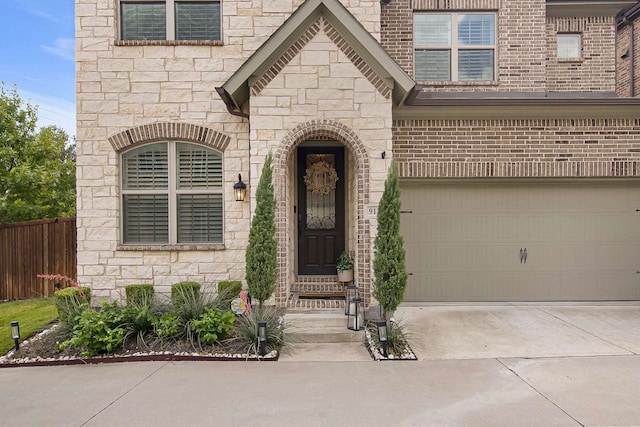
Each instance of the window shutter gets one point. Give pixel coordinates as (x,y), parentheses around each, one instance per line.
(143,21)
(197,20)
(475,64)
(200,218)
(146,218)
(433,65)
(146,167)
(198,167)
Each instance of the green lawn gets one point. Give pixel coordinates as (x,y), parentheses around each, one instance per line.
(32,314)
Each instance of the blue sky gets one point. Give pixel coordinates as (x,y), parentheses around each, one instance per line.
(37,54)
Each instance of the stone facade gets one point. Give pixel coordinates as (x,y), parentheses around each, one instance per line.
(322,89)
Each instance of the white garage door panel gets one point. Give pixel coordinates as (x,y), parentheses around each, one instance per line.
(463,241)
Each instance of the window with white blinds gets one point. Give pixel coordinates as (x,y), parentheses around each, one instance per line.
(454,46)
(172,193)
(170,20)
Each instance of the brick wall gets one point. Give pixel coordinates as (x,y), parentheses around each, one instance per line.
(595,71)
(520,45)
(623,84)
(517,148)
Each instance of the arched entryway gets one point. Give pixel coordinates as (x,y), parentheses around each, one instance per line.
(334,139)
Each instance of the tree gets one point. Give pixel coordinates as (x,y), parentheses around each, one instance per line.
(37,167)
(388,263)
(262,251)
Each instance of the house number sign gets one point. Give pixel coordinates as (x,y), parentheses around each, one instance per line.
(371,212)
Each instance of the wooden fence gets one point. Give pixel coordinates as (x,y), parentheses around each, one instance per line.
(35,247)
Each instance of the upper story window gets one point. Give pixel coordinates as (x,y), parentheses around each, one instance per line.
(170,20)
(569,46)
(172,194)
(454,46)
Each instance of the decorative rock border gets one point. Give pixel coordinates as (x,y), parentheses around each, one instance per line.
(375,354)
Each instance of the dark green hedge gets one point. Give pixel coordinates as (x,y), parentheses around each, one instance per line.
(139,293)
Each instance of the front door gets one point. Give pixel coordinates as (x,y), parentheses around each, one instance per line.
(320,210)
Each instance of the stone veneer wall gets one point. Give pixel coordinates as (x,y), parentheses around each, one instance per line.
(520,45)
(318,94)
(127,86)
(595,71)
(517,148)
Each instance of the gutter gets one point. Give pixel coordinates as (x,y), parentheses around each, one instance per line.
(231,106)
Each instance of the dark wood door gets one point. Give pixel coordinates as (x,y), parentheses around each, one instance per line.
(320,210)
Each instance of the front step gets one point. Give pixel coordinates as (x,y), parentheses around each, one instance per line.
(327,327)
(316,293)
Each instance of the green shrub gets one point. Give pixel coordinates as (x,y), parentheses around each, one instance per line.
(141,314)
(228,290)
(138,292)
(69,303)
(98,332)
(213,325)
(390,274)
(184,291)
(397,336)
(261,257)
(246,330)
(168,326)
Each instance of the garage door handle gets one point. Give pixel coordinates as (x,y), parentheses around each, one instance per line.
(523,255)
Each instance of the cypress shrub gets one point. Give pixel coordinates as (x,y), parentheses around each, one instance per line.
(138,293)
(261,257)
(389,257)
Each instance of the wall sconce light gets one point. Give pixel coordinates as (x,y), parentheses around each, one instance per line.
(262,338)
(382,336)
(384,154)
(15,334)
(240,189)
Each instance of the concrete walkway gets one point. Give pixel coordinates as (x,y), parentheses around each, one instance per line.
(498,365)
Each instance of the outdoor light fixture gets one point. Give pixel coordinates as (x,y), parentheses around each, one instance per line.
(240,189)
(15,333)
(382,335)
(354,318)
(350,292)
(262,338)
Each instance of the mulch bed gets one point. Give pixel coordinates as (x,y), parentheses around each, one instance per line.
(40,350)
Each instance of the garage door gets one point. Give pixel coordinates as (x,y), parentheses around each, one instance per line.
(551,241)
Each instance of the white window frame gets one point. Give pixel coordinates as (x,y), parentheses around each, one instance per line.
(577,36)
(454,47)
(172,193)
(170,15)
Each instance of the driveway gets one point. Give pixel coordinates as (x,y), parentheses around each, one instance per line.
(491,365)
(480,331)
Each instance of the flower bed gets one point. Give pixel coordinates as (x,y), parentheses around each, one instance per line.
(40,350)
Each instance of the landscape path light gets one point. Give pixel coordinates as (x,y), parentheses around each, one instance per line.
(382,336)
(262,338)
(15,333)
